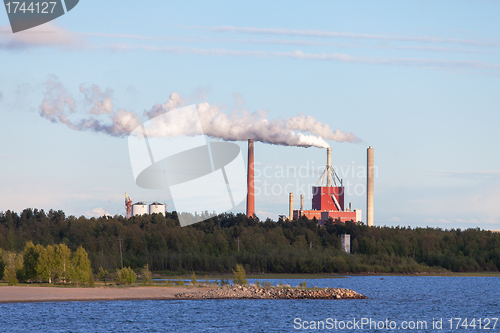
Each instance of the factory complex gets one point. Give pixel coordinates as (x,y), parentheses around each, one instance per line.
(141,208)
(328,198)
(328,201)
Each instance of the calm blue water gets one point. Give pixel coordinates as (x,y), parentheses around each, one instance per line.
(395,298)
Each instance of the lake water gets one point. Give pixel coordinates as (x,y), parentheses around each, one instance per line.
(393,300)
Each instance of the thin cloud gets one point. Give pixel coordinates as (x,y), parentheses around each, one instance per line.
(98,212)
(49,35)
(333,34)
(126,36)
(333,57)
(286,42)
(46,35)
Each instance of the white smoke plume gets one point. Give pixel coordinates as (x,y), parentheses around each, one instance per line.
(173,102)
(100,101)
(309,124)
(58,103)
(241,125)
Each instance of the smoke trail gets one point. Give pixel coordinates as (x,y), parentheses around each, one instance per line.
(58,103)
(309,124)
(100,101)
(238,126)
(255,125)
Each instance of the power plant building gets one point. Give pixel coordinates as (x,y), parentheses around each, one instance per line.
(328,200)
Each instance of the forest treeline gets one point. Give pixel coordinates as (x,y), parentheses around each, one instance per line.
(220,243)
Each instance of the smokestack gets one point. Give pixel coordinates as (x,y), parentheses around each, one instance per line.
(328,166)
(369,187)
(250,181)
(301,202)
(290,217)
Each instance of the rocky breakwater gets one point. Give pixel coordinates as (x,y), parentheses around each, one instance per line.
(239,292)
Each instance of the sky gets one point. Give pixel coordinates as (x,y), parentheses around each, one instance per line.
(418,81)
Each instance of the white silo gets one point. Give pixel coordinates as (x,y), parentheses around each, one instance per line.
(139,208)
(157,207)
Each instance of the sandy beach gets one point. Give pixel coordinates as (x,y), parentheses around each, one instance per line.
(57,294)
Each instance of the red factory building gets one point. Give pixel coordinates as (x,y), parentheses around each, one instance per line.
(327,201)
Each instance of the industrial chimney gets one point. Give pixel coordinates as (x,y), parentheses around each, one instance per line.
(301,202)
(369,187)
(329,166)
(290,216)
(250,181)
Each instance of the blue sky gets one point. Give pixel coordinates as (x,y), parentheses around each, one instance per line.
(416,80)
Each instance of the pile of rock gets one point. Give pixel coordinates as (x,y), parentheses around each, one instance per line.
(239,292)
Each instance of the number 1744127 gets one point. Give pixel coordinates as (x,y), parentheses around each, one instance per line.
(30,7)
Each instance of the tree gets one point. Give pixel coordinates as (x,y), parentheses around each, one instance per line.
(102,275)
(81,266)
(19,267)
(10,276)
(46,264)
(146,273)
(13,262)
(91,279)
(194,281)
(131,276)
(125,275)
(120,276)
(62,264)
(240,276)
(31,254)
(2,267)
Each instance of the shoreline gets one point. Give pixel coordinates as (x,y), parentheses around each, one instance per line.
(25,294)
(312,276)
(33,294)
